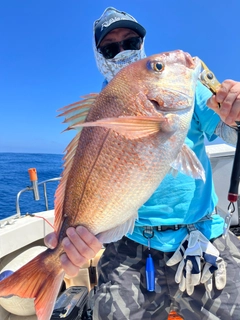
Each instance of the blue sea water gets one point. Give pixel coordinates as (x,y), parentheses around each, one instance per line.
(14,177)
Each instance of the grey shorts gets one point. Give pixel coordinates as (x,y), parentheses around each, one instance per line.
(121,293)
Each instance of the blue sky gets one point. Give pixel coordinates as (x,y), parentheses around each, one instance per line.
(46,57)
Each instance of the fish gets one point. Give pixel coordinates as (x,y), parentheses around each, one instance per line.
(129,136)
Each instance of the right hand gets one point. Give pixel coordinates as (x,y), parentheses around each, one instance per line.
(79,245)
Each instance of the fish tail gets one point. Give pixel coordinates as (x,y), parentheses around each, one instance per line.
(39,279)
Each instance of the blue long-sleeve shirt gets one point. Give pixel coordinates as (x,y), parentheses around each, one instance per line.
(182,199)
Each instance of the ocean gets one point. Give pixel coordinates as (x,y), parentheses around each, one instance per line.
(14,177)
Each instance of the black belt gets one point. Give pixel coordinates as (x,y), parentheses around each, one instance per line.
(164,228)
(148,231)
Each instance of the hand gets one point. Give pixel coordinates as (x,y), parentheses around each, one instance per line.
(228,96)
(80,245)
(199,262)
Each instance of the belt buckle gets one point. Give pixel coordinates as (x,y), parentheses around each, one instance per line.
(171,227)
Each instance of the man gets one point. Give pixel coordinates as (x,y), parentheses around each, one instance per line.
(199,278)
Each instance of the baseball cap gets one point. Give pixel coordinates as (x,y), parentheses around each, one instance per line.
(112,19)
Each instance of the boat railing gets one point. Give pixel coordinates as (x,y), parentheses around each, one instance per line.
(34,189)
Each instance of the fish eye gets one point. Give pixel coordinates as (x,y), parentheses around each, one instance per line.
(157,66)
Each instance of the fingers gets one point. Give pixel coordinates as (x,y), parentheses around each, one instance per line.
(80,245)
(182,284)
(51,240)
(189,284)
(70,269)
(208,285)
(177,257)
(179,253)
(228,96)
(206,273)
(179,274)
(220,275)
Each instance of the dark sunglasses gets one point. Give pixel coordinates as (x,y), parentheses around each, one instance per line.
(110,50)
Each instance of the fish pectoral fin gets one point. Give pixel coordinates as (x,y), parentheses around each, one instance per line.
(188,163)
(132,127)
(118,232)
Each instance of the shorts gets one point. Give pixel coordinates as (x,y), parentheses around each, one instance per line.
(121,292)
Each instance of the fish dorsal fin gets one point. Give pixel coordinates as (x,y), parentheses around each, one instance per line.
(188,163)
(118,232)
(75,113)
(132,127)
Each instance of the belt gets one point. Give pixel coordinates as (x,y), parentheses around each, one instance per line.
(164,228)
(174,227)
(148,231)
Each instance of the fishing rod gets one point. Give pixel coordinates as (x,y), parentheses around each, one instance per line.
(210,81)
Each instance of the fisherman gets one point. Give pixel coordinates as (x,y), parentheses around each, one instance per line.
(197,269)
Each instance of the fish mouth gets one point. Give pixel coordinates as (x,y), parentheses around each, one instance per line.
(197,63)
(191,62)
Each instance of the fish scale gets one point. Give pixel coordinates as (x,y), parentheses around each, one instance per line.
(133,189)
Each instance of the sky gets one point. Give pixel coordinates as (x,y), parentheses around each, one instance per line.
(47,61)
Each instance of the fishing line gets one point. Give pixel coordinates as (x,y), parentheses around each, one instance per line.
(234,183)
(35,216)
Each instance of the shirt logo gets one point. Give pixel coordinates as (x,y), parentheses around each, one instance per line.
(110,21)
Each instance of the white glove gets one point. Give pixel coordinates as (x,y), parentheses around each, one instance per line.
(199,261)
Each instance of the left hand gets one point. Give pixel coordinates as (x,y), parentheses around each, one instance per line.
(79,245)
(228,96)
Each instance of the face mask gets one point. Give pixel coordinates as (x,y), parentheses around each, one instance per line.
(110,67)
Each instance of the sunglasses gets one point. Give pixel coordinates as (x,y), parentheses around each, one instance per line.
(110,50)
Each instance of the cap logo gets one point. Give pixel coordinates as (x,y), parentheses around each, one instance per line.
(110,21)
